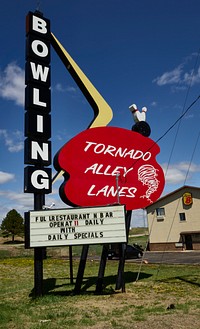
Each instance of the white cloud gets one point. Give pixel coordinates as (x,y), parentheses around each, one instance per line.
(191,167)
(62,135)
(180,77)
(171,77)
(24,202)
(20,197)
(192,78)
(154,103)
(12,83)
(6,177)
(178,88)
(69,89)
(13,141)
(18,200)
(177,173)
(174,176)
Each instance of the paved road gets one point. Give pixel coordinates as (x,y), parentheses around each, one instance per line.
(176,257)
(159,257)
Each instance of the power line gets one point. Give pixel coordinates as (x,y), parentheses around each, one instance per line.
(184,112)
(189,166)
(195,146)
(170,128)
(182,115)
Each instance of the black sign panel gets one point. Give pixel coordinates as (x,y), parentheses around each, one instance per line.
(37,125)
(37,151)
(37,180)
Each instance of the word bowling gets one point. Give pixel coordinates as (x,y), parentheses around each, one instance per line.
(37,150)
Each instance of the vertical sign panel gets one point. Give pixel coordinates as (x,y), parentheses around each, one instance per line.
(37,154)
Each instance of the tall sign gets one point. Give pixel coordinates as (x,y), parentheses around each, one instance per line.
(101,166)
(37,154)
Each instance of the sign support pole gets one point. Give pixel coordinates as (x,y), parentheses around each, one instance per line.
(128,222)
(120,283)
(81,269)
(71,265)
(102,269)
(39,201)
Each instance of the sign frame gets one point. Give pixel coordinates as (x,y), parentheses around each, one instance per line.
(75,226)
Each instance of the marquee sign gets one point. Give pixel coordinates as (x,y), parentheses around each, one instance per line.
(37,150)
(78,226)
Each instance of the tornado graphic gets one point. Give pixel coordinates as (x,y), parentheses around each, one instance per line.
(147,175)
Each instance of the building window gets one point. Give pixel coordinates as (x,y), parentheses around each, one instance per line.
(182,217)
(160,212)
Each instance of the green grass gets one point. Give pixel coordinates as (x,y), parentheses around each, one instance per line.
(144,305)
(61,252)
(138,230)
(145,301)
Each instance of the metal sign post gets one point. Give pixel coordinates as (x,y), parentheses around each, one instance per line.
(38,252)
(120,283)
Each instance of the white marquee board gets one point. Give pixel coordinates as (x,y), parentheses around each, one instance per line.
(75,226)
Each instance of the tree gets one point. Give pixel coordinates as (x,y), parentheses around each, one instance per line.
(12,224)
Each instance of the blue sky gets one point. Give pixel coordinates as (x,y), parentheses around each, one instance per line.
(143,52)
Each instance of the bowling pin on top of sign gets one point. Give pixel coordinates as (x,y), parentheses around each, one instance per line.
(137,115)
(141,126)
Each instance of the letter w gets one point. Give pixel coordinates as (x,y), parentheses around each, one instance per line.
(39,72)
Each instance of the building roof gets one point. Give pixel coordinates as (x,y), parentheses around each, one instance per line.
(174,192)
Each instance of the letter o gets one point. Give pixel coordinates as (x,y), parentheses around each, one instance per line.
(36,45)
(146,156)
(101,146)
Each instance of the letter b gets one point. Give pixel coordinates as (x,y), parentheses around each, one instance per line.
(39,25)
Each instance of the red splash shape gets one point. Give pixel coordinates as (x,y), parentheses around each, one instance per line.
(107,165)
